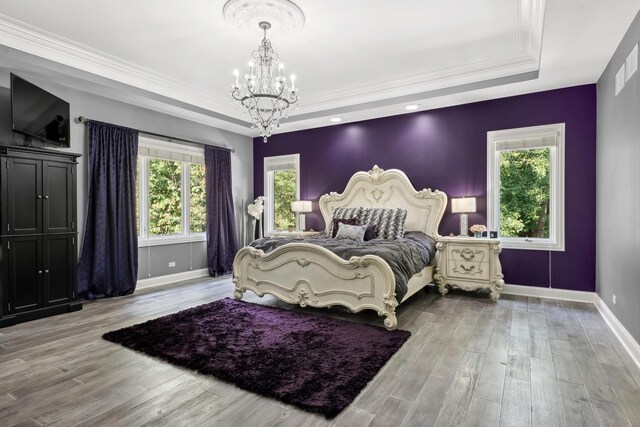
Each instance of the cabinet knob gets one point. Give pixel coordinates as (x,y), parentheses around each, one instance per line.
(39,196)
(39,271)
(46,272)
(46,197)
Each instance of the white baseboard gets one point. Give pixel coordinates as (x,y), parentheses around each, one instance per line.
(552,293)
(627,340)
(171,278)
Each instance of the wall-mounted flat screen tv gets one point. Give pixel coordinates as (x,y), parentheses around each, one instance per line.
(38,114)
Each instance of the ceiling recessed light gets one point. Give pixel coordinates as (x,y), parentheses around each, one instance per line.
(336,119)
(411,107)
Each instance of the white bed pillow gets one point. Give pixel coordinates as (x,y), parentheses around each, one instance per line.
(353,232)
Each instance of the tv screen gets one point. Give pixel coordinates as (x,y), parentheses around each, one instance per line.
(38,114)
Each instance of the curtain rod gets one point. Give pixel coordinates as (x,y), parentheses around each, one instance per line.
(86,120)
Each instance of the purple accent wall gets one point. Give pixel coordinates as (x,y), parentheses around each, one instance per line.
(446,149)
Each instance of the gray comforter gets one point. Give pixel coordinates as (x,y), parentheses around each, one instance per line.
(406,256)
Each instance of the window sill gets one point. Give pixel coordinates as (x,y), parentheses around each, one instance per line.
(162,241)
(535,245)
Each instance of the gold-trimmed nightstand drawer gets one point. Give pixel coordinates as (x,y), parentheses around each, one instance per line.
(467,253)
(468,270)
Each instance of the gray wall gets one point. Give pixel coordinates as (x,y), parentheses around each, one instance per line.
(153,260)
(618,189)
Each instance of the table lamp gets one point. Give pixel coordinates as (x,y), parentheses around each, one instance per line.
(463,206)
(300,207)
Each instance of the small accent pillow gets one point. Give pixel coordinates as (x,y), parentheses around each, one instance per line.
(389,221)
(353,232)
(348,221)
(370,232)
(345,213)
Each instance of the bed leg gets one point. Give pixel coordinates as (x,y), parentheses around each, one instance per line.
(443,289)
(439,281)
(237,294)
(390,322)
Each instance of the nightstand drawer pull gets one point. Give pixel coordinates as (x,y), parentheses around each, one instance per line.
(467,269)
(467,255)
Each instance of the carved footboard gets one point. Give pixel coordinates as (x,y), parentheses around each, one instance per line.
(311,275)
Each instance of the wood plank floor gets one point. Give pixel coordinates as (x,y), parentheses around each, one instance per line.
(469,362)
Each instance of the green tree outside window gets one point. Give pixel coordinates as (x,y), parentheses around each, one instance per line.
(198,202)
(285,192)
(165,197)
(524,193)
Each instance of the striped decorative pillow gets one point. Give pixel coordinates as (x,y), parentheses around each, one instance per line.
(389,221)
(342,213)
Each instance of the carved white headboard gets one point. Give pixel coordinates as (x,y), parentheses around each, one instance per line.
(389,189)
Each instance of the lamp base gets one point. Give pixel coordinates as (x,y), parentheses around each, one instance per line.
(300,222)
(464,225)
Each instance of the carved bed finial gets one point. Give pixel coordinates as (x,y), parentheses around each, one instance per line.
(375,174)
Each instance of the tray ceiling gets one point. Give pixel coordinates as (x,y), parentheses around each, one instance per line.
(357,59)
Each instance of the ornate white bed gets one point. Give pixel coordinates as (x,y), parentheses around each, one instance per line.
(310,275)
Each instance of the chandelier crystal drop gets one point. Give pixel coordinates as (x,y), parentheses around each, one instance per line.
(264,93)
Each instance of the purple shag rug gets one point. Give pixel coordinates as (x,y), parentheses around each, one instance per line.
(318,364)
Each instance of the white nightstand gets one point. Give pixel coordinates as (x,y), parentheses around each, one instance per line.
(469,263)
(291,234)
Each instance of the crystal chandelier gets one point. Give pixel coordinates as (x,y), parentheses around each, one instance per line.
(264,93)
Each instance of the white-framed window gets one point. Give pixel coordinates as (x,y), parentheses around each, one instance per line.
(525,186)
(281,187)
(170,187)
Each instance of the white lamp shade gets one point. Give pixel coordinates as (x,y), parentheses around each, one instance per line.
(301,206)
(463,205)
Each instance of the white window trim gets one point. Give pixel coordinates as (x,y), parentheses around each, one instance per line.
(268,186)
(159,144)
(186,236)
(556,240)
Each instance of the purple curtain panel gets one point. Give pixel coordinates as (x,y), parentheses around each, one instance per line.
(109,261)
(222,242)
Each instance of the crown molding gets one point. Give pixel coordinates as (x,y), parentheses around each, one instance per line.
(35,41)
(525,60)
(531,26)
(393,88)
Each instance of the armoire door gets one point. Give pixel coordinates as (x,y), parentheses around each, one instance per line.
(59,268)
(23,197)
(57,194)
(25,273)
